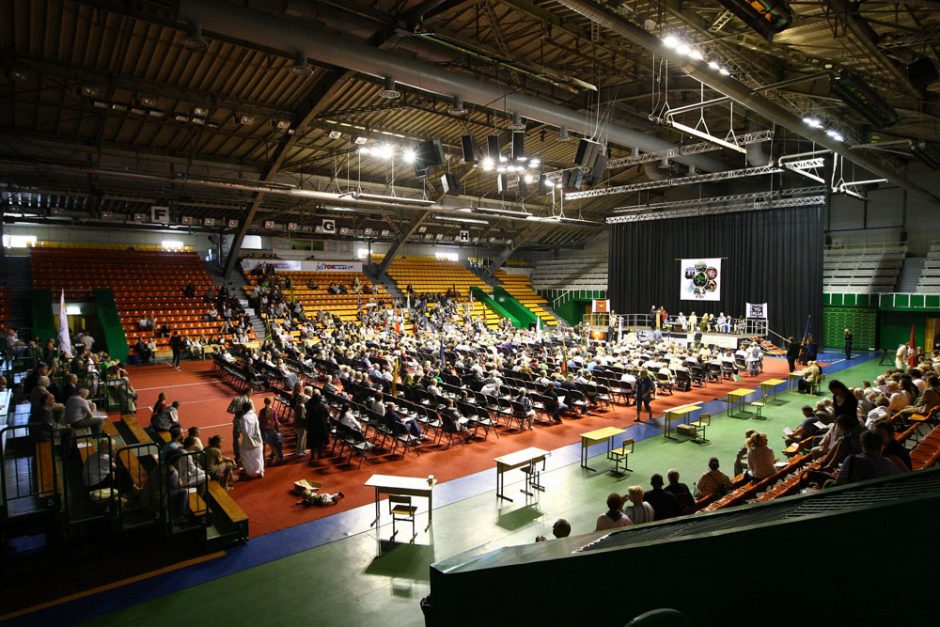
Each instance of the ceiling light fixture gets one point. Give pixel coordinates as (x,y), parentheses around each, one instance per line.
(193,39)
(301,67)
(390,91)
(457,108)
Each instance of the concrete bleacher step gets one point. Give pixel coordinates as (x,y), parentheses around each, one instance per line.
(910,274)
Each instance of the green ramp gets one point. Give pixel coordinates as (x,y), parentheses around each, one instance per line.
(40,302)
(489,301)
(114,338)
(522,313)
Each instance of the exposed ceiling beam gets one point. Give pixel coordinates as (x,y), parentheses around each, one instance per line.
(396,246)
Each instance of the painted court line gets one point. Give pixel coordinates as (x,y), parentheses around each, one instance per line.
(179,385)
(113,585)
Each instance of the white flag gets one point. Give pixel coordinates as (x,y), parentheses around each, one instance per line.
(538,326)
(65,338)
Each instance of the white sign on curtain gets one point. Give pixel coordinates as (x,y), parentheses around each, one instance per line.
(757,310)
(700,279)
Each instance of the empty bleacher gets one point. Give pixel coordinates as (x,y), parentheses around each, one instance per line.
(519,287)
(588,273)
(869,268)
(142,281)
(429,275)
(929,282)
(313,301)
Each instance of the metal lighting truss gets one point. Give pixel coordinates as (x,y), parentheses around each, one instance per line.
(689,212)
(725,199)
(672,153)
(802,166)
(676,181)
(689,149)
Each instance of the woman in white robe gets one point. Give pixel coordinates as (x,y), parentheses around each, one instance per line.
(252,446)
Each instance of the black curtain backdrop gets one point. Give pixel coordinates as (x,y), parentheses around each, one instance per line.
(773,256)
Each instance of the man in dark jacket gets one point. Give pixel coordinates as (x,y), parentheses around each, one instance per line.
(793,352)
(318,425)
(176,345)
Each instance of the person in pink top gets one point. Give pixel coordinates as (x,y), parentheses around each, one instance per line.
(613,517)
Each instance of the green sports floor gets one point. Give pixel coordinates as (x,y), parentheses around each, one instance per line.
(346,582)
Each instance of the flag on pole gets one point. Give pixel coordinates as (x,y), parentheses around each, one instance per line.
(808,328)
(564,360)
(912,350)
(65,338)
(358,301)
(538,326)
(395,379)
(443,359)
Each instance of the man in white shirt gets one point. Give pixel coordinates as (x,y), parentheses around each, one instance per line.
(79,412)
(191,475)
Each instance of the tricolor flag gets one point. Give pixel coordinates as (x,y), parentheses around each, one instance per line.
(65,338)
(395,378)
(912,350)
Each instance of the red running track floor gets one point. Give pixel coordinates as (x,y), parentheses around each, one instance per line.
(270,506)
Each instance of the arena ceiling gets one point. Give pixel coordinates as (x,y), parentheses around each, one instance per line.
(256,112)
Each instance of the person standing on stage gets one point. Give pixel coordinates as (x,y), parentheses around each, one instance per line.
(848,344)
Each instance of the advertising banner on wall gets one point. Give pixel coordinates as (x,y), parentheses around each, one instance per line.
(293,265)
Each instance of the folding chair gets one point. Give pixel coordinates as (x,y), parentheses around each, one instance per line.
(402,510)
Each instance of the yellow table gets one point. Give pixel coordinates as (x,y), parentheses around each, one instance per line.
(596,437)
(767,387)
(796,375)
(737,397)
(527,458)
(676,413)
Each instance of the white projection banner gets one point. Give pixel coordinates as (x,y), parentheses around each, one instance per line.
(700,279)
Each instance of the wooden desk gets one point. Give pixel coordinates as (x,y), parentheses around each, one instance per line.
(676,413)
(767,387)
(401,486)
(596,437)
(737,397)
(526,458)
(796,375)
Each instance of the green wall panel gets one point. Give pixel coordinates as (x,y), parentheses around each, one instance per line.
(862,322)
(894,328)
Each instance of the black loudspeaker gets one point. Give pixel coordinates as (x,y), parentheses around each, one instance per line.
(429,154)
(597,172)
(572,179)
(586,153)
(502,183)
(492,146)
(518,145)
(450,185)
(421,173)
(923,72)
(468,147)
